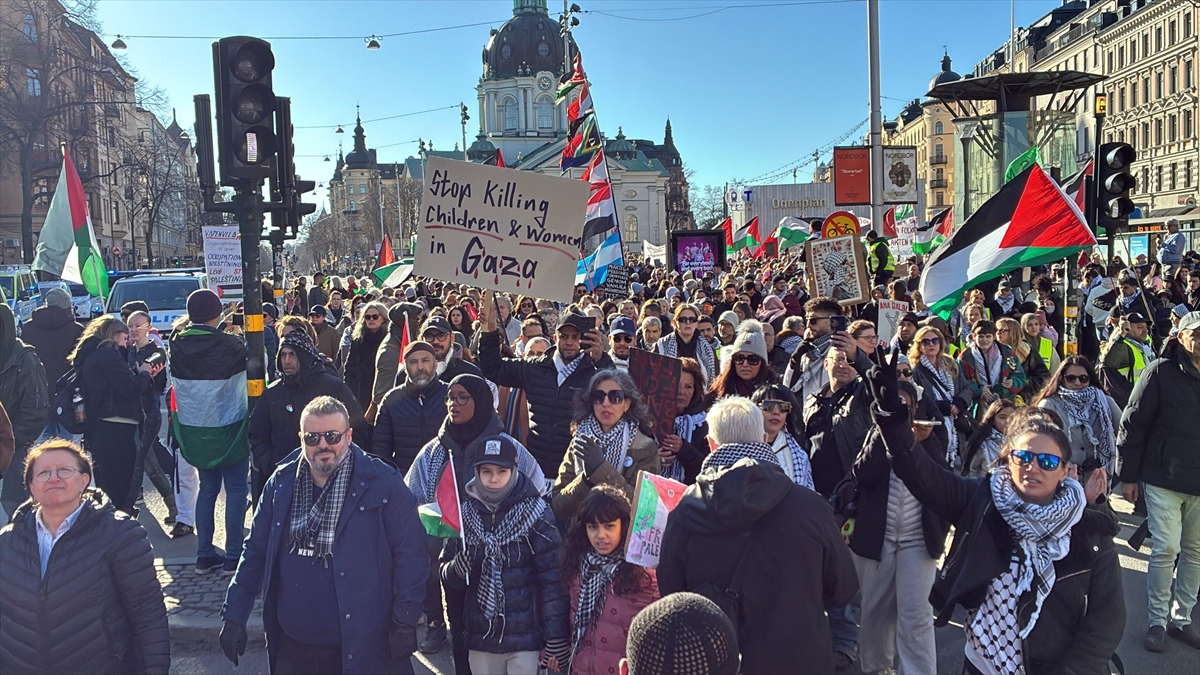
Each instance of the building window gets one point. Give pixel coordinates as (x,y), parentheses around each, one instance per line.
(116,212)
(1145,90)
(1145,183)
(1171,32)
(937,151)
(362,189)
(112,136)
(1187,173)
(1133,136)
(353,208)
(1174,79)
(350,189)
(1158,179)
(545,112)
(1174,170)
(1110,62)
(33,83)
(543,49)
(938,128)
(1187,24)
(1120,57)
(506,52)
(1132,51)
(510,114)
(1158,132)
(1187,123)
(29,28)
(1188,73)
(1158,84)
(940,199)
(1172,128)
(1121,99)
(631,227)
(1133,97)
(1158,39)
(1145,133)
(1145,44)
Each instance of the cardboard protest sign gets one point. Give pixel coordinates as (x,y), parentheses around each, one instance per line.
(890,312)
(511,231)
(837,269)
(657,378)
(223,261)
(654,498)
(616,284)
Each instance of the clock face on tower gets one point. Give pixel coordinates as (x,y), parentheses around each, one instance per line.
(544,83)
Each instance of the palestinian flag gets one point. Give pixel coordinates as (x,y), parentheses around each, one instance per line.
(67,246)
(727,226)
(208,402)
(577,78)
(443,517)
(579,109)
(394,274)
(931,235)
(1074,186)
(386,256)
(1029,222)
(582,146)
(747,235)
(791,232)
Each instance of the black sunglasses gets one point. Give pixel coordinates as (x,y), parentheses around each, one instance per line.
(372,317)
(773,405)
(621,337)
(312,438)
(752,359)
(1076,379)
(928,342)
(1045,460)
(615,397)
(686,319)
(904,372)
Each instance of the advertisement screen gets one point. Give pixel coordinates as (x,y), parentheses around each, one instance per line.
(697,252)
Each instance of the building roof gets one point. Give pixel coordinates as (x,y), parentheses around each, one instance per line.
(175,132)
(337,168)
(528,43)
(1014,90)
(360,157)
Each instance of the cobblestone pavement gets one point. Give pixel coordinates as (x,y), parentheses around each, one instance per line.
(194,595)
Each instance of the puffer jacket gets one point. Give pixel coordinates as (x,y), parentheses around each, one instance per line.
(603,648)
(571,488)
(53,332)
(360,364)
(1083,618)
(99,608)
(387,356)
(550,405)
(1157,441)
(536,606)
(408,419)
(109,386)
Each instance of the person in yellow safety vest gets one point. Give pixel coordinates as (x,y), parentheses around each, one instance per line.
(880,263)
(1032,327)
(1126,357)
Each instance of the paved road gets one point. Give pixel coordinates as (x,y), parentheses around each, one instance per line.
(254,662)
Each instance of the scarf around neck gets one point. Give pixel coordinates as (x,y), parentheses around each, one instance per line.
(1098,427)
(943,390)
(801,467)
(313,525)
(565,370)
(989,363)
(669,346)
(615,441)
(730,453)
(596,574)
(1006,304)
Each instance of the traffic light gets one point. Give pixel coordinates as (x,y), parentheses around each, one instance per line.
(1114,177)
(463,111)
(245,109)
(299,208)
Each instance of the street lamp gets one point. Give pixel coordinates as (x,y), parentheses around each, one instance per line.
(118,43)
(339,130)
(372,43)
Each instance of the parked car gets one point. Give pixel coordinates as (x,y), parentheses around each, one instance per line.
(80,298)
(165,293)
(20,289)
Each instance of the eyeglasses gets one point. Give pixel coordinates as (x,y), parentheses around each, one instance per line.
(773,405)
(751,359)
(930,342)
(615,397)
(372,317)
(460,400)
(686,319)
(1045,460)
(312,438)
(813,319)
(904,372)
(62,473)
(1076,379)
(621,337)
(430,336)
(868,338)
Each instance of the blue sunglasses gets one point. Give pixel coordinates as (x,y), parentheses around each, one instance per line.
(1045,460)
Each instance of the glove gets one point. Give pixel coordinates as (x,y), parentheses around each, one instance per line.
(588,449)
(461,564)
(402,641)
(233,640)
(559,649)
(881,379)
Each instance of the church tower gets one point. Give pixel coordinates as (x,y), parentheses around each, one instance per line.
(523,63)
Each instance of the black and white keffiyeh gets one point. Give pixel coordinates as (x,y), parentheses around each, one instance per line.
(615,442)
(669,346)
(988,363)
(1099,428)
(1006,302)
(991,446)
(1042,535)
(730,453)
(685,426)
(801,466)
(565,370)
(943,390)
(313,525)
(515,524)
(596,574)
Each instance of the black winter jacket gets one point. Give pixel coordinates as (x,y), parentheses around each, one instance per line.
(98,610)
(53,332)
(1157,441)
(550,405)
(360,364)
(109,386)
(851,420)
(795,565)
(1083,618)
(22,390)
(408,419)
(537,607)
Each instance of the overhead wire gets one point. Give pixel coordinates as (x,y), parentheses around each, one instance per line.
(807,159)
(378,119)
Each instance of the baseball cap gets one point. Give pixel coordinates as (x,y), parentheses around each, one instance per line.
(1136,317)
(1190,321)
(496,450)
(1005,285)
(623,326)
(577,321)
(437,323)
(317,309)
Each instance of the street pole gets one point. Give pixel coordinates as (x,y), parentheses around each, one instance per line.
(1100,110)
(250,221)
(876,116)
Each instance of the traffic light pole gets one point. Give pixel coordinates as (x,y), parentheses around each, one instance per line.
(1098,185)
(250,223)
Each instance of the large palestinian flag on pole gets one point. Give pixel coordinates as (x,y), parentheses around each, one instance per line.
(1029,222)
(67,246)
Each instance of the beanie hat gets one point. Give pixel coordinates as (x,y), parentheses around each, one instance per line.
(731,317)
(57,297)
(684,634)
(750,339)
(299,341)
(203,306)
(419,346)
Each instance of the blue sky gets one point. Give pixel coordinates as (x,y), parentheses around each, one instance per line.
(748,89)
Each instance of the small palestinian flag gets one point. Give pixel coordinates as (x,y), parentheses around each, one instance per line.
(931,235)
(746,235)
(394,274)
(386,256)
(791,232)
(1029,222)
(443,517)
(67,246)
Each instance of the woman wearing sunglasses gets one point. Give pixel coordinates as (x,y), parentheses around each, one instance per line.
(685,341)
(781,421)
(612,442)
(367,334)
(682,453)
(746,368)
(1009,332)
(1034,568)
(1090,416)
(939,377)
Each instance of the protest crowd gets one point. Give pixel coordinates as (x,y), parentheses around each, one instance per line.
(843,479)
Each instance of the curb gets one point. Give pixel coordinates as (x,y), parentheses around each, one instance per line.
(206,631)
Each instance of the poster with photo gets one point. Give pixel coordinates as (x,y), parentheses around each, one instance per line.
(697,252)
(836,269)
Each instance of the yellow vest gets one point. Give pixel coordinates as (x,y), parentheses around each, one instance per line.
(873,259)
(1139,362)
(1046,350)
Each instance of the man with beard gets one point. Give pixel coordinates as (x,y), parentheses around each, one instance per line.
(805,374)
(622,335)
(276,418)
(338,553)
(906,328)
(402,317)
(328,337)
(450,364)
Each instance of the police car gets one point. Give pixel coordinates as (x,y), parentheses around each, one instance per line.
(20,290)
(80,298)
(164,292)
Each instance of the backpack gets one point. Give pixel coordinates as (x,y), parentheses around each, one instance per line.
(63,408)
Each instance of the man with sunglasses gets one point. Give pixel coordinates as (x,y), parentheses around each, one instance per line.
(621,334)
(339,554)
(437,332)
(805,374)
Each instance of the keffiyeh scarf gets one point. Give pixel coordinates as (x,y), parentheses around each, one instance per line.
(1042,535)
(988,363)
(596,574)
(516,523)
(1006,303)
(943,390)
(801,467)
(991,447)
(730,453)
(313,525)
(1100,431)
(565,370)
(668,346)
(615,443)
(685,426)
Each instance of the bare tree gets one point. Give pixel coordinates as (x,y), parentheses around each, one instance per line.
(156,189)
(708,203)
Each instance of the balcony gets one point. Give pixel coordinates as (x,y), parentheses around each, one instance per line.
(937,183)
(939,159)
(112,110)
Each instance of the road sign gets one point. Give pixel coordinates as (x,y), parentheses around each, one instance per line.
(839,223)
(116,250)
